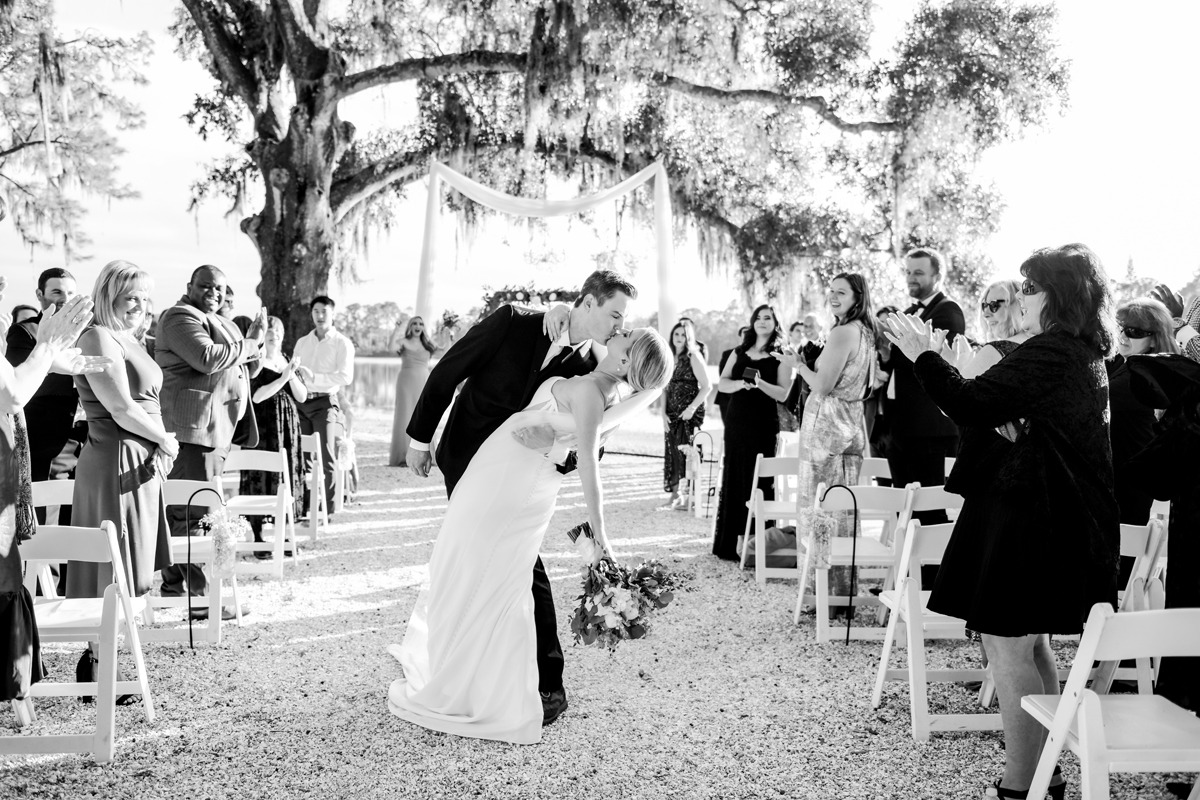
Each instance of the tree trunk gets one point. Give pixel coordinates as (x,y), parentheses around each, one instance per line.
(295,232)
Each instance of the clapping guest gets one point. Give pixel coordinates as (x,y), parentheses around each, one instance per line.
(682,408)
(751,378)
(1049,499)
(415,351)
(1186,323)
(129,450)
(20,656)
(276,390)
(1143,327)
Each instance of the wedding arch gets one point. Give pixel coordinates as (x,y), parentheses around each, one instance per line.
(528,207)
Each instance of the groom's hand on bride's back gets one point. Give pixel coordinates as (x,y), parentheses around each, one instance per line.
(419,462)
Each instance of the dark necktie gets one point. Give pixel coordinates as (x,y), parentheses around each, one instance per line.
(558,360)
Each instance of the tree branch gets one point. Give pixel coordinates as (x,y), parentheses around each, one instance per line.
(352,190)
(815,103)
(472,61)
(233,74)
(22,145)
(307,56)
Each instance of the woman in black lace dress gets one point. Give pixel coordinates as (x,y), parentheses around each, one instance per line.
(276,391)
(751,424)
(1032,553)
(683,408)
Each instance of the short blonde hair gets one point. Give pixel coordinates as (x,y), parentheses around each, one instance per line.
(650,362)
(117,278)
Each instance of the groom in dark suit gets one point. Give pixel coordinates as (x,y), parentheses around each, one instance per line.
(503,360)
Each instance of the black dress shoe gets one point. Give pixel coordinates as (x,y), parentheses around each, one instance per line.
(553,705)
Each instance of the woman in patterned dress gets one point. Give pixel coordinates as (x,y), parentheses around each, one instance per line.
(683,408)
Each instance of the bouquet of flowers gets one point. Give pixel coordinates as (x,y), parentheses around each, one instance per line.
(617,601)
(226,532)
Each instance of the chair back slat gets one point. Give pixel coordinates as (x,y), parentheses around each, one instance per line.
(178,492)
(1134,540)
(935,498)
(870,498)
(257,460)
(775,467)
(873,468)
(1133,634)
(928,545)
(53,493)
(67,543)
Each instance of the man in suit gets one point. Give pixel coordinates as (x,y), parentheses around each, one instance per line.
(50,413)
(205,391)
(922,437)
(503,360)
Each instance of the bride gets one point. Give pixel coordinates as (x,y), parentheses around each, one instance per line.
(468,655)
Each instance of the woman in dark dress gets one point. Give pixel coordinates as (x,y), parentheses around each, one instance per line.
(20,656)
(1031,554)
(1143,326)
(276,390)
(751,425)
(128,451)
(683,408)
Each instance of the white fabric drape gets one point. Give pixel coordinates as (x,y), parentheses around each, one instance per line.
(527,207)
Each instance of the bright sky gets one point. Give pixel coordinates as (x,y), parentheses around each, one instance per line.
(1120,172)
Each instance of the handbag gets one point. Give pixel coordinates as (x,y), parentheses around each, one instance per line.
(822,526)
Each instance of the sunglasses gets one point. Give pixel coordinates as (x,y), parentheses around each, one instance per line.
(993,306)
(1131,332)
(1030,287)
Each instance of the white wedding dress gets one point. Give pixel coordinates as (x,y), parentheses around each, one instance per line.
(469,654)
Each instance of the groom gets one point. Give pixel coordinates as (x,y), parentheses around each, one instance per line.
(503,360)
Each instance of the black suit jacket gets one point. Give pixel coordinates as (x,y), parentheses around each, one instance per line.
(911,414)
(500,360)
(50,413)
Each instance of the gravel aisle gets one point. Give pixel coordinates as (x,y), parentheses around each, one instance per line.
(727,699)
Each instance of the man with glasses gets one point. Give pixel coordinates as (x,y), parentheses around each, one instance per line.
(921,436)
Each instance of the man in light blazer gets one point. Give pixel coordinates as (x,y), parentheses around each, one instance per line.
(205,391)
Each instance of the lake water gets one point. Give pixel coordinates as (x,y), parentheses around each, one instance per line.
(374,383)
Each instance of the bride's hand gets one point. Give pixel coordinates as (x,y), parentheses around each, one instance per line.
(540,437)
(556,321)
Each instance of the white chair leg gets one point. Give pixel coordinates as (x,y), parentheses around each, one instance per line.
(237,606)
(885,656)
(106,688)
(803,581)
(134,640)
(824,631)
(215,604)
(918,697)
(1195,793)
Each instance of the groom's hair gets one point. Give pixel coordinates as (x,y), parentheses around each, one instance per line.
(603,284)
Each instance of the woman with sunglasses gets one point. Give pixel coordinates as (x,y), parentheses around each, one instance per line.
(1144,326)
(1032,554)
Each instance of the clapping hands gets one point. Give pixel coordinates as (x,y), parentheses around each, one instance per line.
(913,335)
(60,329)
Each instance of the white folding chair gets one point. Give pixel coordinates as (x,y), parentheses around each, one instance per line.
(96,620)
(861,551)
(206,495)
(908,603)
(1121,733)
(47,494)
(314,481)
(871,469)
(278,505)
(783,470)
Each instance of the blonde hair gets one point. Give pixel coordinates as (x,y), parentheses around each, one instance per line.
(1011,326)
(117,278)
(650,362)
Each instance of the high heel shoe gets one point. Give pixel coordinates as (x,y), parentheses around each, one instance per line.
(85,672)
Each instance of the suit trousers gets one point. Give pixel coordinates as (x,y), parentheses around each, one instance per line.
(50,421)
(322,416)
(192,465)
(550,659)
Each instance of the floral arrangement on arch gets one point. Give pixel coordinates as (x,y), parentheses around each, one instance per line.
(524,296)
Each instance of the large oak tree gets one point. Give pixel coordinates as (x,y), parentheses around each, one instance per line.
(790,149)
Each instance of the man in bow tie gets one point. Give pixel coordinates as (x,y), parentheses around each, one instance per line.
(922,437)
(503,360)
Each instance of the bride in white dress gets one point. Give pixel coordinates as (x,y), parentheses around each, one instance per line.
(469,658)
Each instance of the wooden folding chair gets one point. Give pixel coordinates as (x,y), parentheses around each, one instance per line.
(314,482)
(908,603)
(96,620)
(278,505)
(861,551)
(1121,733)
(206,495)
(783,470)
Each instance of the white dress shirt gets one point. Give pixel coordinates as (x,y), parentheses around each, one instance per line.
(331,360)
